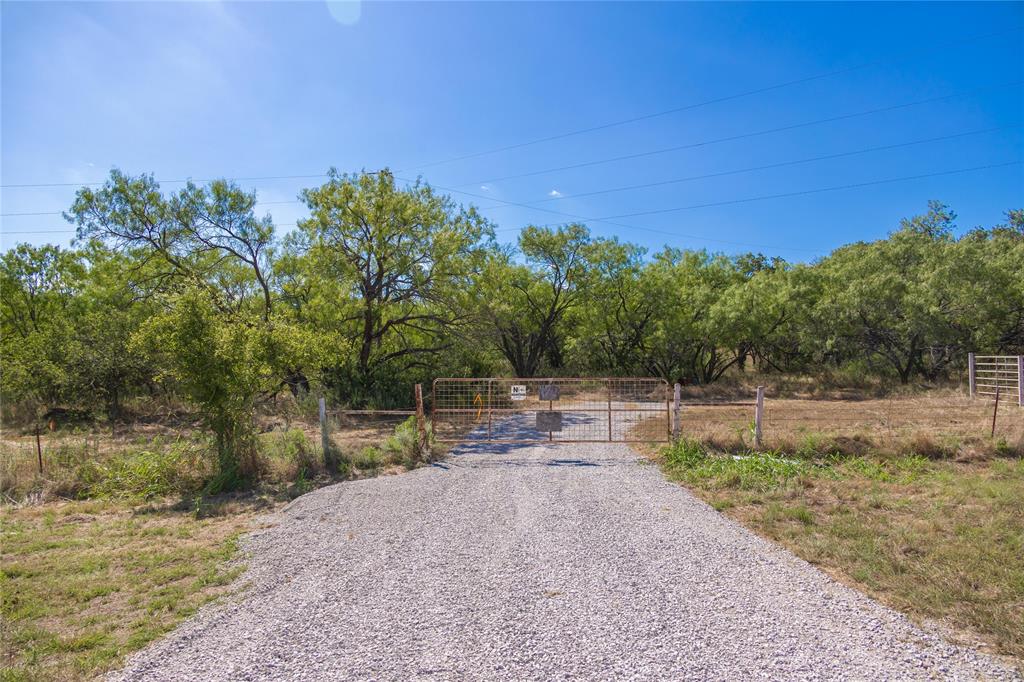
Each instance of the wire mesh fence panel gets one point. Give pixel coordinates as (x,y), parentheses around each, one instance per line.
(950,416)
(556,410)
(726,425)
(997,373)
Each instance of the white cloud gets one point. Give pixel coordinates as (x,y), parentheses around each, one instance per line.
(554,193)
(486,188)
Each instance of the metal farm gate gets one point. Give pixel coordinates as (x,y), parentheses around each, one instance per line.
(616,410)
(992,375)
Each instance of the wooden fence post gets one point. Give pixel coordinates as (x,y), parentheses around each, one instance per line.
(421,423)
(970,374)
(758,416)
(325,436)
(677,391)
(1020,380)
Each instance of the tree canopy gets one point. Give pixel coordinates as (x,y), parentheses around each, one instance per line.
(191,293)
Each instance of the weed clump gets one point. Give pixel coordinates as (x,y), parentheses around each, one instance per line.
(690,461)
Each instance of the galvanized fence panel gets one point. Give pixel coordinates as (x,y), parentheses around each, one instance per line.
(564,410)
(1002,374)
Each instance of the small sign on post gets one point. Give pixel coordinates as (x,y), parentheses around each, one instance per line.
(549,392)
(518,392)
(549,421)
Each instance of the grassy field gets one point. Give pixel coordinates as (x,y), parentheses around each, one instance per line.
(85,583)
(937,539)
(116,542)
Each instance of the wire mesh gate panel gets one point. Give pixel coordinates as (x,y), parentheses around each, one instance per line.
(1004,374)
(619,410)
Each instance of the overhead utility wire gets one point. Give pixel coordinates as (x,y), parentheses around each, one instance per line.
(610,160)
(806,192)
(608,220)
(532,204)
(751,169)
(717,100)
(741,136)
(933,48)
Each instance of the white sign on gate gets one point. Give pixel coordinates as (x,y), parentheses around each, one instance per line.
(518,392)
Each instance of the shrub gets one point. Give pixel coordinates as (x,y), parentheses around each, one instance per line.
(367,458)
(289,455)
(179,469)
(402,447)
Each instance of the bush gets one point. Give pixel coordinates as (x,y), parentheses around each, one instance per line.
(179,469)
(402,447)
(367,459)
(289,455)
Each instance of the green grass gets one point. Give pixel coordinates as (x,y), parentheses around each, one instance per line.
(85,583)
(936,539)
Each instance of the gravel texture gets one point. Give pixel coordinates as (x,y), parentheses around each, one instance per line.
(542,562)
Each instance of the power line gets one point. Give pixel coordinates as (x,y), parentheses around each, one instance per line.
(751,169)
(261,203)
(567,215)
(811,191)
(580,131)
(3,232)
(742,136)
(609,220)
(72,230)
(629,156)
(168,182)
(717,100)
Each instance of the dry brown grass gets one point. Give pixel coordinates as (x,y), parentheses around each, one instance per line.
(933,424)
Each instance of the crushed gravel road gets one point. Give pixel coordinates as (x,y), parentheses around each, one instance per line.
(542,562)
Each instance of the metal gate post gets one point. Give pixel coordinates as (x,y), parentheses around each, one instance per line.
(758,416)
(1020,380)
(490,413)
(325,437)
(608,388)
(970,374)
(677,391)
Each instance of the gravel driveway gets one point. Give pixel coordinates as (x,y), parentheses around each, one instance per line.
(542,562)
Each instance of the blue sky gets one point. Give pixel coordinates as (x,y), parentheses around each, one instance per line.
(210,89)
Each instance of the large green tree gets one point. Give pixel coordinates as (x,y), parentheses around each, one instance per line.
(523,306)
(895,299)
(390,268)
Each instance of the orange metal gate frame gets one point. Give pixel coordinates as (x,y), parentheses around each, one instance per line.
(459,406)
